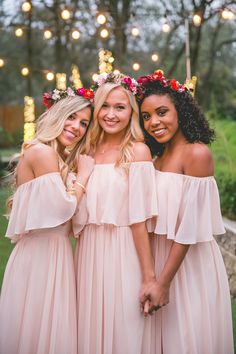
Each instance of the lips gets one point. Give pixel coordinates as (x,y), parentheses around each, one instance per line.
(159,132)
(111,123)
(69,134)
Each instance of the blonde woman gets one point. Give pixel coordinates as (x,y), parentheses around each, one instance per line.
(113,256)
(38,302)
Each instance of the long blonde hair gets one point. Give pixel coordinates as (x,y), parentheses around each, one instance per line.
(49,126)
(133,132)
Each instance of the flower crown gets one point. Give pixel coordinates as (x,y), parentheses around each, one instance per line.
(159,76)
(123,80)
(49,98)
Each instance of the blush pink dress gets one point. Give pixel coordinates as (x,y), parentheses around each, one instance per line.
(197,319)
(107,264)
(38,297)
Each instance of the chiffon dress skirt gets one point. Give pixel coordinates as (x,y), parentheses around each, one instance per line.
(38,297)
(197,319)
(107,265)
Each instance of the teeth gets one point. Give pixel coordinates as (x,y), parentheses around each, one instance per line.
(159,131)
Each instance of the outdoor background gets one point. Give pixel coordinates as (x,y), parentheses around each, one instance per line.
(142,36)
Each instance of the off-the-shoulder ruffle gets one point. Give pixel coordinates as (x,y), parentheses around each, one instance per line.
(189,208)
(117,197)
(40,203)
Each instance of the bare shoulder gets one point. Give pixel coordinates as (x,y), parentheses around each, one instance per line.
(141,152)
(198,160)
(42,159)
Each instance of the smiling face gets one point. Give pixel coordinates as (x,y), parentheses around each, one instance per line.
(115,113)
(160,118)
(75,127)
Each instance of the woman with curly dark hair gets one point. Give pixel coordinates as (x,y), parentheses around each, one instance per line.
(190,271)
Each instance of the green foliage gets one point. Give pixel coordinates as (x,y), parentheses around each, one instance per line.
(224,151)
(10,139)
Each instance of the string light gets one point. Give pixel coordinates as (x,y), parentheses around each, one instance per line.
(19,32)
(135,31)
(136,66)
(50,76)
(197,20)
(29,118)
(65,14)
(166,27)
(155,57)
(111,60)
(26,6)
(25,71)
(227,14)
(104,33)
(95,77)
(105,66)
(2,62)
(76,76)
(101,19)
(47,34)
(75,34)
(116,72)
(61,81)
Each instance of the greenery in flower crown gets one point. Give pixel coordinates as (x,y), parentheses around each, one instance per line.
(50,98)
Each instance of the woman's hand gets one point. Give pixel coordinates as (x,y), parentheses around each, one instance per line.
(153,296)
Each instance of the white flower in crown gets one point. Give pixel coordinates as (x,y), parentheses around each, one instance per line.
(56,94)
(101,79)
(70,92)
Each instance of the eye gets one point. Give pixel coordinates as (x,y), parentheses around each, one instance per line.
(104,105)
(145,116)
(120,107)
(71,117)
(162,112)
(84,124)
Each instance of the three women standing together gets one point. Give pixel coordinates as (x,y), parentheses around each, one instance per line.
(117,269)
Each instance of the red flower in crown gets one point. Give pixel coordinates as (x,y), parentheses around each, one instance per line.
(174,85)
(89,94)
(47,100)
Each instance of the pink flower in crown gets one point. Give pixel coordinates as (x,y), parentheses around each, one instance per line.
(143,80)
(80,91)
(127,80)
(70,92)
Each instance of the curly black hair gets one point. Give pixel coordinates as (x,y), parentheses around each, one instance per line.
(192,121)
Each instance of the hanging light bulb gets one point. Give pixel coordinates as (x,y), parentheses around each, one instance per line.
(50,76)
(65,14)
(135,31)
(166,27)
(136,66)
(111,60)
(75,34)
(104,33)
(155,57)
(47,34)
(19,32)
(227,14)
(95,77)
(25,71)
(197,20)
(26,6)
(101,18)
(2,62)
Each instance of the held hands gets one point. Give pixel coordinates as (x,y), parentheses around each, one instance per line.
(154,294)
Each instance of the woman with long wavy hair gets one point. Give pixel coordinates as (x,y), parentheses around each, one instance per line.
(113,258)
(38,297)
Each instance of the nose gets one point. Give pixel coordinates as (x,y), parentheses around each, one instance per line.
(110,113)
(155,120)
(75,124)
